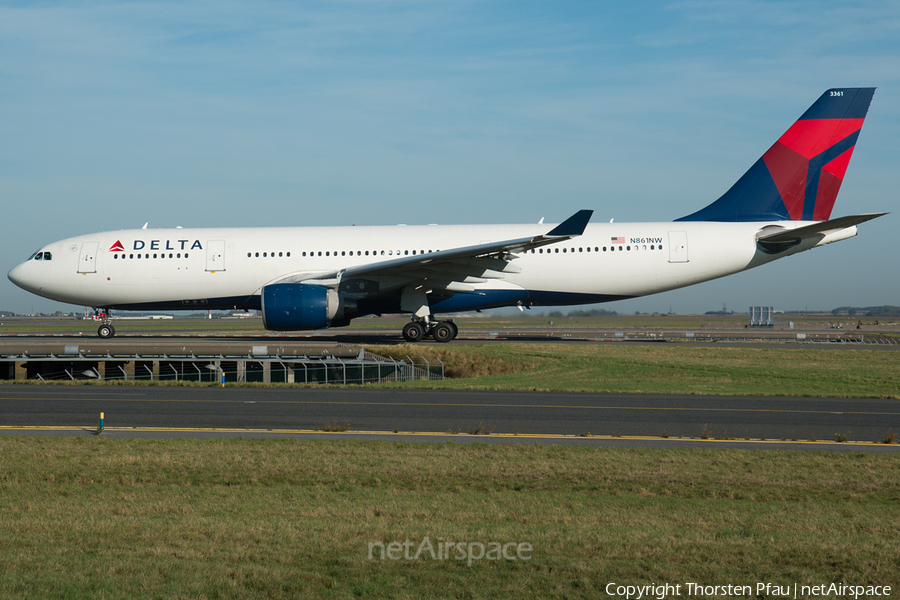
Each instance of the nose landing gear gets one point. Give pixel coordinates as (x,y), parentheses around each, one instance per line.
(106,330)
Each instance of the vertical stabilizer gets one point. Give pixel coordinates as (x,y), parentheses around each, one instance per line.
(799,177)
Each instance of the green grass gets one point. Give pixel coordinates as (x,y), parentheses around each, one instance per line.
(663,369)
(96,518)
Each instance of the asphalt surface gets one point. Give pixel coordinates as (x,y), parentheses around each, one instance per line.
(489,416)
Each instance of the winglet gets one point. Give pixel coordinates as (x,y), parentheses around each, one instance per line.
(572,226)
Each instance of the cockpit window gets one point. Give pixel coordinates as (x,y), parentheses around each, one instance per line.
(48,256)
(41,256)
(32,256)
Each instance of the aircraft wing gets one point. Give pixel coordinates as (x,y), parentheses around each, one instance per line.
(451,269)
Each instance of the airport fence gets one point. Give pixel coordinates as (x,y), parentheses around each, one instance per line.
(359,368)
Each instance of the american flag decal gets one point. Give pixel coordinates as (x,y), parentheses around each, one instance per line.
(617,240)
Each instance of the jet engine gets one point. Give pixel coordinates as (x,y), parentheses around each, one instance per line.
(298,306)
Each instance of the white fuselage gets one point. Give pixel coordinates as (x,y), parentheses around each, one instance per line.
(224,268)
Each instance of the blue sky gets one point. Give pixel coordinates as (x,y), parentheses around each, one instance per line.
(113,114)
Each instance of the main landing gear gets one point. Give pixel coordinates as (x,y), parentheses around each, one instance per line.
(106,330)
(440,331)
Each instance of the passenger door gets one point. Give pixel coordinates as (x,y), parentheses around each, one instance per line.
(87,260)
(678,248)
(215,255)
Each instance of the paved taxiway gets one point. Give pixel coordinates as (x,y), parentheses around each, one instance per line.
(557,415)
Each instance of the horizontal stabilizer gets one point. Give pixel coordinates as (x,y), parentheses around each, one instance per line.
(823,228)
(774,239)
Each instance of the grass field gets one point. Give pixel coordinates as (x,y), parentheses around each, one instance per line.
(95,518)
(662,369)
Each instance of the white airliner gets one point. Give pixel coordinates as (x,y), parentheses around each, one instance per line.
(305,278)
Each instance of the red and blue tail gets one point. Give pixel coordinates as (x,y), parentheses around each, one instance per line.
(798,178)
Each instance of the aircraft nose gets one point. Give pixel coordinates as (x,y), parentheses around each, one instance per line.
(18,276)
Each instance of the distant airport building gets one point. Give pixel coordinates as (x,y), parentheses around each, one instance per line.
(762,316)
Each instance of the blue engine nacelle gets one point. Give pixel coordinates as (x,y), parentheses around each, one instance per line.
(296,306)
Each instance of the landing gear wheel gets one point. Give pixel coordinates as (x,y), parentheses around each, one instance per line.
(442,332)
(455,329)
(106,331)
(413,332)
